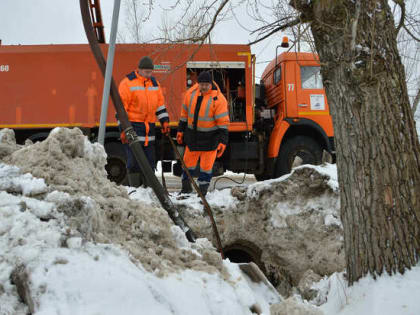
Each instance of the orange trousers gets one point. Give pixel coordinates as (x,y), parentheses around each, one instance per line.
(206,158)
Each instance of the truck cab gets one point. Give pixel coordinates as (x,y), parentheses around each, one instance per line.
(293,108)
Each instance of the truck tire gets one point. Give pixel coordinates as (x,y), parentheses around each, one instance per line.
(116,163)
(306,148)
(40,136)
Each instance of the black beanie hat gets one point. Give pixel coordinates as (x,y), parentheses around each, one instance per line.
(204,77)
(146,63)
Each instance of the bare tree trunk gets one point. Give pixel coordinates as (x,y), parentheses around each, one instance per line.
(378,153)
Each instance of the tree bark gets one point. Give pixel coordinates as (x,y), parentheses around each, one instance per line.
(378,152)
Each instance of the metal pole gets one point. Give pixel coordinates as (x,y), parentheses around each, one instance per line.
(131,135)
(203,199)
(108,71)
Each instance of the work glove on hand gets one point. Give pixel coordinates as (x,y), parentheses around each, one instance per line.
(180,137)
(123,138)
(165,128)
(220,149)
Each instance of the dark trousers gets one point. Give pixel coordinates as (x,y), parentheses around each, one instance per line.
(149,151)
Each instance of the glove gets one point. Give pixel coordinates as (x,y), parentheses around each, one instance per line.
(180,137)
(220,149)
(123,138)
(165,128)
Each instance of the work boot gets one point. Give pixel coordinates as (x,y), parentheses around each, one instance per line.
(135,179)
(204,188)
(186,187)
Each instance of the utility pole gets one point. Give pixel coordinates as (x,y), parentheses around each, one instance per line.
(108,72)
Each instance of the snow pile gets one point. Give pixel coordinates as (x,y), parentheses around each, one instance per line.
(74,243)
(387,295)
(97,209)
(289,226)
(7,142)
(26,184)
(66,160)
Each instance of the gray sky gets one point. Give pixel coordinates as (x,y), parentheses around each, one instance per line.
(29,22)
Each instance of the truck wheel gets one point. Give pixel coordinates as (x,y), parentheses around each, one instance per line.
(116,167)
(41,136)
(305,147)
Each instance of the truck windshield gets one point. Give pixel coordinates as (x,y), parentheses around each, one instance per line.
(311,77)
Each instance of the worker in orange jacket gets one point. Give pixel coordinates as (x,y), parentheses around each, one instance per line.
(143,100)
(203,127)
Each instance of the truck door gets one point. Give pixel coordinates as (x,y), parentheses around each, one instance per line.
(311,99)
(290,88)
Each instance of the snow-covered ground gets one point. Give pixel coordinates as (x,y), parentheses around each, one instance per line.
(387,295)
(69,274)
(86,278)
(222,199)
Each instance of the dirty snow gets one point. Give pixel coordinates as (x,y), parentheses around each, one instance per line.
(12,181)
(88,278)
(91,248)
(329,170)
(88,249)
(290,224)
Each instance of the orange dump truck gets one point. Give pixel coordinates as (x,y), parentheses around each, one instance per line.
(48,86)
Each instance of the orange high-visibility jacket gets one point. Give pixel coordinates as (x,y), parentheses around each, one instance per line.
(204,119)
(143,100)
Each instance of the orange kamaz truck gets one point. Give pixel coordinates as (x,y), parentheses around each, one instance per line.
(286,115)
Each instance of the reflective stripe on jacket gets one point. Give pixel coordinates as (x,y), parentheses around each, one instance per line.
(144,102)
(204,119)
(143,99)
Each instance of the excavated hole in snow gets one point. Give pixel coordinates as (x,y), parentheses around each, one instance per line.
(287,226)
(243,251)
(238,256)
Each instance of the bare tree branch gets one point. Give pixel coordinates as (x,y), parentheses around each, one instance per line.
(213,22)
(401,4)
(411,34)
(237,20)
(201,38)
(277,29)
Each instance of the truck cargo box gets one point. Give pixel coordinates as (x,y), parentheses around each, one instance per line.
(45,86)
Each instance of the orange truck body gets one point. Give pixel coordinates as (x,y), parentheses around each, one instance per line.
(48,86)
